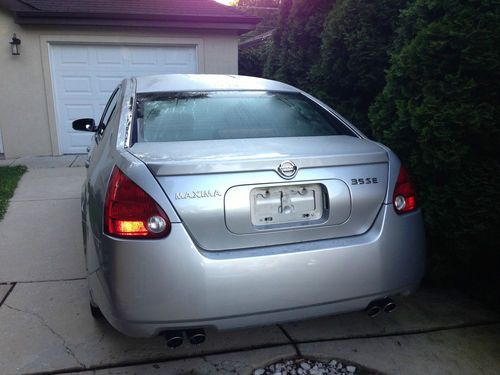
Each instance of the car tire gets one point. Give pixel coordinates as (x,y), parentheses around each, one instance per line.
(95,311)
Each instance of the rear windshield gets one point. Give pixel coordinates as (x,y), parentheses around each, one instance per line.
(194,116)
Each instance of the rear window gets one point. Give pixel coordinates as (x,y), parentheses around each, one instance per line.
(194,116)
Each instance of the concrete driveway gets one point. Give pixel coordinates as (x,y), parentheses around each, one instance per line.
(46,326)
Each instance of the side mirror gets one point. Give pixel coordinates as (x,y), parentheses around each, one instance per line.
(85,124)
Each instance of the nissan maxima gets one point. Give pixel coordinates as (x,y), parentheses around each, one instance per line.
(225,202)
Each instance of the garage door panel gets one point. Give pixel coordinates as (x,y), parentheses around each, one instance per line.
(76,85)
(73,55)
(107,84)
(84,76)
(110,56)
(75,111)
(78,141)
(143,56)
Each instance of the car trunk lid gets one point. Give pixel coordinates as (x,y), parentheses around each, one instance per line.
(231,194)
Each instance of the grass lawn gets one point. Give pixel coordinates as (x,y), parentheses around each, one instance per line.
(9,177)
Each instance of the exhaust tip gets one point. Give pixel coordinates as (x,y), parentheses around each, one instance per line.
(389,306)
(196,336)
(376,307)
(174,338)
(373,310)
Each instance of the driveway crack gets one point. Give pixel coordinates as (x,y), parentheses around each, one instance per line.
(46,325)
(292,341)
(12,286)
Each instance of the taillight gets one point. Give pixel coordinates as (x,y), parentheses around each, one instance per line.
(404,193)
(130,212)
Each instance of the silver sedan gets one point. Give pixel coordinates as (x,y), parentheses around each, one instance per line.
(228,201)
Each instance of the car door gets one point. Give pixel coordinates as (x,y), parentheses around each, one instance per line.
(103,123)
(97,166)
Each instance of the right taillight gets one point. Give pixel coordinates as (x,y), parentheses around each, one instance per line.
(129,212)
(404,193)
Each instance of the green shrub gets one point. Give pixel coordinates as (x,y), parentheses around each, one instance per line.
(350,72)
(297,41)
(251,60)
(440,112)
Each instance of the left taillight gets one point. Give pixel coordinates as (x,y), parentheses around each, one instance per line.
(404,199)
(129,212)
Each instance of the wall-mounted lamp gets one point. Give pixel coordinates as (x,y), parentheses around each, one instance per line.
(14,45)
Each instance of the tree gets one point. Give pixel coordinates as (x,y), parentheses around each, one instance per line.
(440,111)
(278,48)
(251,60)
(354,55)
(297,41)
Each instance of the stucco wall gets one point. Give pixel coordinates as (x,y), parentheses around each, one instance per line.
(27,120)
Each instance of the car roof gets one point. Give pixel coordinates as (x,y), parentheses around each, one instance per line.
(207,82)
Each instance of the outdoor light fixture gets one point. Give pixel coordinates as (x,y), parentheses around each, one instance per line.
(14,45)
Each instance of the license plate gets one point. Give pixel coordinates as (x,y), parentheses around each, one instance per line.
(286,204)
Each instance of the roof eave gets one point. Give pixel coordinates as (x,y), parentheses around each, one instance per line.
(15,5)
(241,24)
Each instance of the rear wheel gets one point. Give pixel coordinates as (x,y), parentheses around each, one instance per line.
(94,309)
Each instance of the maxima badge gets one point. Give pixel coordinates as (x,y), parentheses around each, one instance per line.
(287,169)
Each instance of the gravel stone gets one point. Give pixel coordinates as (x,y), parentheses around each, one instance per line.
(306,367)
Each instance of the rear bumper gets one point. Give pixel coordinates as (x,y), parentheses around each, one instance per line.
(170,283)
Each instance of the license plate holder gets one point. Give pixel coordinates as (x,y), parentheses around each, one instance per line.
(288,204)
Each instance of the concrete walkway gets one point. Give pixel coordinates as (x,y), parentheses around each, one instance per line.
(34,162)
(46,328)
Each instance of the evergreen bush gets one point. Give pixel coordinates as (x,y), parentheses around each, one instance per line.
(439,110)
(297,41)
(354,55)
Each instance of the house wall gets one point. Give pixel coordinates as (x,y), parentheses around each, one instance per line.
(27,117)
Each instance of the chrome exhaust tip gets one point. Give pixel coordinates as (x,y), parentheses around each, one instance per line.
(388,305)
(174,338)
(376,307)
(373,309)
(196,336)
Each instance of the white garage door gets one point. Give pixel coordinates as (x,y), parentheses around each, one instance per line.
(84,76)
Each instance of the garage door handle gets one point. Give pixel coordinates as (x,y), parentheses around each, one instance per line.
(87,163)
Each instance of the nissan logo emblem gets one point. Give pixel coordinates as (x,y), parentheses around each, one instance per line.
(287,169)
